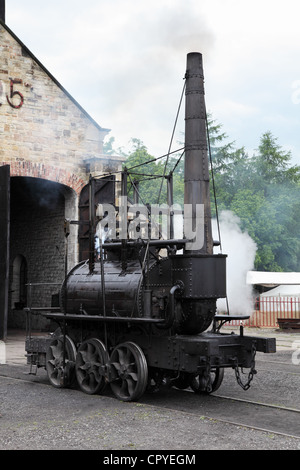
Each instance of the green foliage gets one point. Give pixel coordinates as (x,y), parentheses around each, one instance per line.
(263,190)
(152,176)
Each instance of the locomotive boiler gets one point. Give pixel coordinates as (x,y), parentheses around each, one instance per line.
(141,312)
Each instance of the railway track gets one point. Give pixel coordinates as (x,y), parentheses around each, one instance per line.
(272,404)
(272,428)
(280,420)
(266,417)
(268,405)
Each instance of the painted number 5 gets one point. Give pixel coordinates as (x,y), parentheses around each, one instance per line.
(15,93)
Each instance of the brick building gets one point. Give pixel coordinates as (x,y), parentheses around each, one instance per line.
(49,147)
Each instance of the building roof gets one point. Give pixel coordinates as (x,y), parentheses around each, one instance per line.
(272,279)
(29,53)
(290,290)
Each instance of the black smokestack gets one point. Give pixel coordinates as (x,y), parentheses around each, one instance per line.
(196,151)
(2,10)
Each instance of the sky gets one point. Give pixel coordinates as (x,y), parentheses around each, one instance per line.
(124,62)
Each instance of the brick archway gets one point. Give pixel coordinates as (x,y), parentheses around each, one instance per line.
(47,172)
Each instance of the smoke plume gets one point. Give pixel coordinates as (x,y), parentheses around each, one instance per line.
(241,250)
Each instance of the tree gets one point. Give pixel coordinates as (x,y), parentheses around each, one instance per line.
(263,190)
(108,146)
(230,166)
(272,163)
(268,203)
(149,172)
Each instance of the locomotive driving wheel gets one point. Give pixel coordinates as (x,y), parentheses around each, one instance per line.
(129,372)
(90,365)
(60,369)
(207,383)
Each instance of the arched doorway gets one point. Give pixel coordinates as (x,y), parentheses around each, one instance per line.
(38,209)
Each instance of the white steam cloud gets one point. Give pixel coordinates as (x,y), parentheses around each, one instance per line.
(241,250)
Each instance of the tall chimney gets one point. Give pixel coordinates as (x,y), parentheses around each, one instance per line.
(2,10)
(196,175)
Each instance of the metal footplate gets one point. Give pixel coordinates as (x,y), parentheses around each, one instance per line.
(192,353)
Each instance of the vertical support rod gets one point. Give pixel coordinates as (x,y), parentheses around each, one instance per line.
(91,224)
(67,233)
(136,192)
(170,203)
(124,222)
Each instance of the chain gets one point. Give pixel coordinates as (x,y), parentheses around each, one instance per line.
(252,372)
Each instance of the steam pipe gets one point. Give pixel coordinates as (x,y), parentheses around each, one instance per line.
(168,323)
(196,175)
(179,242)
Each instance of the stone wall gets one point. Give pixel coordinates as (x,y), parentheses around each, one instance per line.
(45,136)
(44,132)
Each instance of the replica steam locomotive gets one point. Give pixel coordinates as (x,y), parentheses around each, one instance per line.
(142,313)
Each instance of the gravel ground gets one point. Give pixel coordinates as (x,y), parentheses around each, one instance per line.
(36,416)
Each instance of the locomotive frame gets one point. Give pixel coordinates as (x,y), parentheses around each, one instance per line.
(137,320)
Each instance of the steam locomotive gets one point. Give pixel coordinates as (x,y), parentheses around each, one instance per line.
(142,313)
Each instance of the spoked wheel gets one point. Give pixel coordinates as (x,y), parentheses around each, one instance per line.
(90,366)
(201,384)
(61,373)
(129,372)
